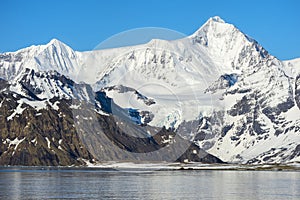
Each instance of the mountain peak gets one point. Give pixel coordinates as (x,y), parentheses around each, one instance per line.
(59,47)
(216,19)
(214,24)
(56,42)
(212,29)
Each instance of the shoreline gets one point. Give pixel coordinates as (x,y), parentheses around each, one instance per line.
(130,166)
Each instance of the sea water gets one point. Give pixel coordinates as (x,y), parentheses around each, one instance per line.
(85,183)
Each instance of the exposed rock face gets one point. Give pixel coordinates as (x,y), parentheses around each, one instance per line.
(124,89)
(48,136)
(260,122)
(35,138)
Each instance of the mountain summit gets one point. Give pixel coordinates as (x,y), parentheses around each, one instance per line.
(217,19)
(218,90)
(52,56)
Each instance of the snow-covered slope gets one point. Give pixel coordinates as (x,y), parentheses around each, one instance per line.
(292,67)
(177,73)
(217,87)
(53,56)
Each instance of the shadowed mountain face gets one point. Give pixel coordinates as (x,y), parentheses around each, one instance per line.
(215,95)
(44,133)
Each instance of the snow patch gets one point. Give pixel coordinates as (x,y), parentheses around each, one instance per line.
(15,142)
(18,110)
(73,106)
(34,141)
(55,105)
(48,142)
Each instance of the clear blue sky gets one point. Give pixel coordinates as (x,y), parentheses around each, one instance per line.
(83,24)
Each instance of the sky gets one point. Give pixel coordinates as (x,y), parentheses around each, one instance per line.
(82,25)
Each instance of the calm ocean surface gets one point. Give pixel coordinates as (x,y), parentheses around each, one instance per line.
(49,183)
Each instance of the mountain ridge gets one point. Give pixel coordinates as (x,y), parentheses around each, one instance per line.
(217,88)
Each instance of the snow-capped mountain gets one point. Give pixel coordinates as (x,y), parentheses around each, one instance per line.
(218,88)
(53,56)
